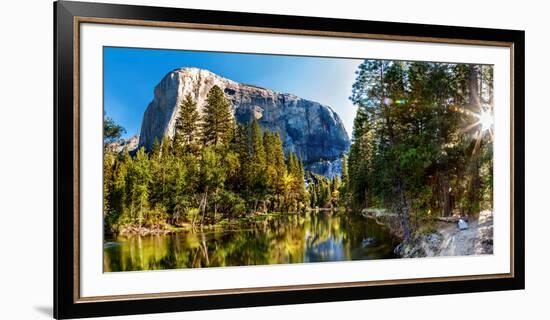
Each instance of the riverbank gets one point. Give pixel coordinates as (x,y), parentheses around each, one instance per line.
(133,230)
(387,218)
(446,239)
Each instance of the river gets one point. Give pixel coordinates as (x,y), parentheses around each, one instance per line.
(271,239)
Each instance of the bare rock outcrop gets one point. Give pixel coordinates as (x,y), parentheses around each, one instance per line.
(310,129)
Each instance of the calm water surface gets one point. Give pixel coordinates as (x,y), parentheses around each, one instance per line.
(313,237)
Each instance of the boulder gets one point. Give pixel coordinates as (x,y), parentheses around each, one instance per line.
(462,224)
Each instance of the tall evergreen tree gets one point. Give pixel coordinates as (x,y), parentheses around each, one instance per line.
(109,163)
(137,188)
(278,162)
(271,171)
(161,167)
(240,147)
(275,167)
(256,168)
(297,195)
(187,126)
(117,197)
(218,125)
(344,201)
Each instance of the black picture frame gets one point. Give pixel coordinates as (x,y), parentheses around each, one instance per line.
(66,302)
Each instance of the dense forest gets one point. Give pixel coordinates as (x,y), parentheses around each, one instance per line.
(213,169)
(422,140)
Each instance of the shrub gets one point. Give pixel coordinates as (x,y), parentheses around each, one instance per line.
(192,214)
(231,204)
(156,217)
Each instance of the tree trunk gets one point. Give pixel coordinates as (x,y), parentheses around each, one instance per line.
(473,87)
(447,208)
(204,201)
(215,206)
(404,211)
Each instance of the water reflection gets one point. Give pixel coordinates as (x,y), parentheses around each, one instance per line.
(314,237)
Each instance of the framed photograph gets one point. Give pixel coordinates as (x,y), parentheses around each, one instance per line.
(210,159)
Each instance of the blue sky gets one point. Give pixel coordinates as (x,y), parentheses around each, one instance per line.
(130,76)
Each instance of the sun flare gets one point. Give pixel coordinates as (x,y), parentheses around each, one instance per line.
(485,120)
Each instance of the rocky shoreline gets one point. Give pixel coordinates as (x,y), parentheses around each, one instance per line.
(446,239)
(144,231)
(449,240)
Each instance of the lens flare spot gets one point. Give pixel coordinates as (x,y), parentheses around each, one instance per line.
(486,120)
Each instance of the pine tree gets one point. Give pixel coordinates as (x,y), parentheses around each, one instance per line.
(256,169)
(218,125)
(312,194)
(239,146)
(345,182)
(297,195)
(155,149)
(137,188)
(187,126)
(160,167)
(117,197)
(271,170)
(335,185)
(109,163)
(165,147)
(275,167)
(278,162)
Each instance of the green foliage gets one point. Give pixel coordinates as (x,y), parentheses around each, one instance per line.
(138,179)
(231,203)
(192,214)
(416,146)
(426,229)
(319,188)
(218,125)
(236,171)
(111,131)
(294,184)
(345,181)
(156,217)
(186,129)
(255,168)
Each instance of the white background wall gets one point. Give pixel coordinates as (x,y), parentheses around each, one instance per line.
(26,158)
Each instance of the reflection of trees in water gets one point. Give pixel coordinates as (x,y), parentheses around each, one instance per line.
(276,239)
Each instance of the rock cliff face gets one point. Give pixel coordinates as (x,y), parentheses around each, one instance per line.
(310,129)
(327,168)
(130,144)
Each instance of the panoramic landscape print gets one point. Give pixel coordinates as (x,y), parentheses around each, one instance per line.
(214,159)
